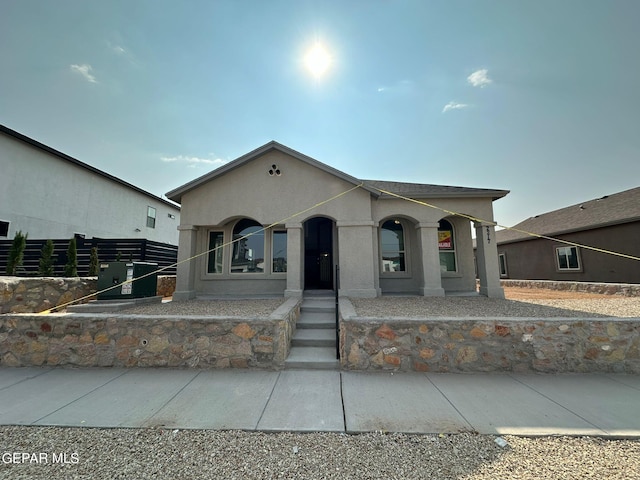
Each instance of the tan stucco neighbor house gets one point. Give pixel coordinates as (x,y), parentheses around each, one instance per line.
(382,244)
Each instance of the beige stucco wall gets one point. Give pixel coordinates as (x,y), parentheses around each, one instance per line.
(251,192)
(299,193)
(292,196)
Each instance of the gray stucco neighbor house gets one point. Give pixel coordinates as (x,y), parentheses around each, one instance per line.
(381,243)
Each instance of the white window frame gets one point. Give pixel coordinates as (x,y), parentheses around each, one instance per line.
(153,217)
(502,265)
(568,268)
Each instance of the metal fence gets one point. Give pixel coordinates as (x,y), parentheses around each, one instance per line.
(109,250)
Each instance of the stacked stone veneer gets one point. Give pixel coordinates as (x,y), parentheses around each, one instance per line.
(106,340)
(24,295)
(21,295)
(624,289)
(489,345)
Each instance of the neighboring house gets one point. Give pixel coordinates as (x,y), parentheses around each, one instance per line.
(610,223)
(380,243)
(48,194)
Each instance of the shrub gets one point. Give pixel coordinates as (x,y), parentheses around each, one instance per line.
(71,268)
(93,262)
(16,252)
(46,259)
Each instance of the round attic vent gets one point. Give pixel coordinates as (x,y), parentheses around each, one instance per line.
(274,170)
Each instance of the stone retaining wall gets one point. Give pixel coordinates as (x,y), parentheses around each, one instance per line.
(107,340)
(22,295)
(489,345)
(626,289)
(35,294)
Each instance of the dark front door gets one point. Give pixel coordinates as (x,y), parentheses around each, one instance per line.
(318,254)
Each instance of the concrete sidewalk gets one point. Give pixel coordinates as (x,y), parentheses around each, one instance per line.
(305,400)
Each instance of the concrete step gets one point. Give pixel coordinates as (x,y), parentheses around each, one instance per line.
(316,358)
(317,320)
(319,294)
(314,337)
(315,305)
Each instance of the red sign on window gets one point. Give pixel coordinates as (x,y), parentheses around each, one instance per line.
(444,240)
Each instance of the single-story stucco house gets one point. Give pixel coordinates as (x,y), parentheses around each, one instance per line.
(320,218)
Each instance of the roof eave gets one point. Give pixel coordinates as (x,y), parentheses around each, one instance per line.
(572,230)
(493,194)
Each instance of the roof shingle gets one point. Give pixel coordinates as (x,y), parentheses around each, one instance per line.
(612,209)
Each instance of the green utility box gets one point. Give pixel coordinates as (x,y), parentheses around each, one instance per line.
(116,273)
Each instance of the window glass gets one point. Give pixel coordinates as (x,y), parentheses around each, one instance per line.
(567,258)
(279,251)
(502,258)
(216,240)
(392,243)
(446,245)
(151,217)
(248,252)
(4,229)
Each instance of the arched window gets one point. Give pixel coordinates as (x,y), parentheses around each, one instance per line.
(247,253)
(392,246)
(447,247)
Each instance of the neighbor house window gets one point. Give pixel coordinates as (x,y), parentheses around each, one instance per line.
(279,251)
(502,263)
(216,240)
(248,247)
(447,247)
(4,229)
(393,249)
(151,217)
(567,258)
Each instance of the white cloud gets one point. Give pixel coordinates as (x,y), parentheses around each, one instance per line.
(454,106)
(401,86)
(194,161)
(479,78)
(85,71)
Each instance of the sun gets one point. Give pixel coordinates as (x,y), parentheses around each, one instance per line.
(317,60)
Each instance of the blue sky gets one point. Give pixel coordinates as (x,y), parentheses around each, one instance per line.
(537,97)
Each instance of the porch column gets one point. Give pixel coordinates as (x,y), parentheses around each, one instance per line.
(428,239)
(487,259)
(355,244)
(294,260)
(186,270)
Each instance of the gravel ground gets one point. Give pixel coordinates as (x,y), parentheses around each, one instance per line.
(236,308)
(607,306)
(172,454)
(577,306)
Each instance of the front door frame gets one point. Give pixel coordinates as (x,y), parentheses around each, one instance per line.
(319,253)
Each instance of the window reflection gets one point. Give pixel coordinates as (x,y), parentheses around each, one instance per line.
(248,247)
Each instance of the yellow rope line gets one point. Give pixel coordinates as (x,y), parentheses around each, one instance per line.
(494,224)
(301,212)
(280,222)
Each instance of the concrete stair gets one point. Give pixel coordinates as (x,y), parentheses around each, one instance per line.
(314,344)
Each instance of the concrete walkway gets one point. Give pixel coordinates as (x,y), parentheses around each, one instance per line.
(307,400)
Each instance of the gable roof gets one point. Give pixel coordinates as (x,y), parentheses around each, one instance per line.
(622,207)
(415,190)
(67,158)
(176,194)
